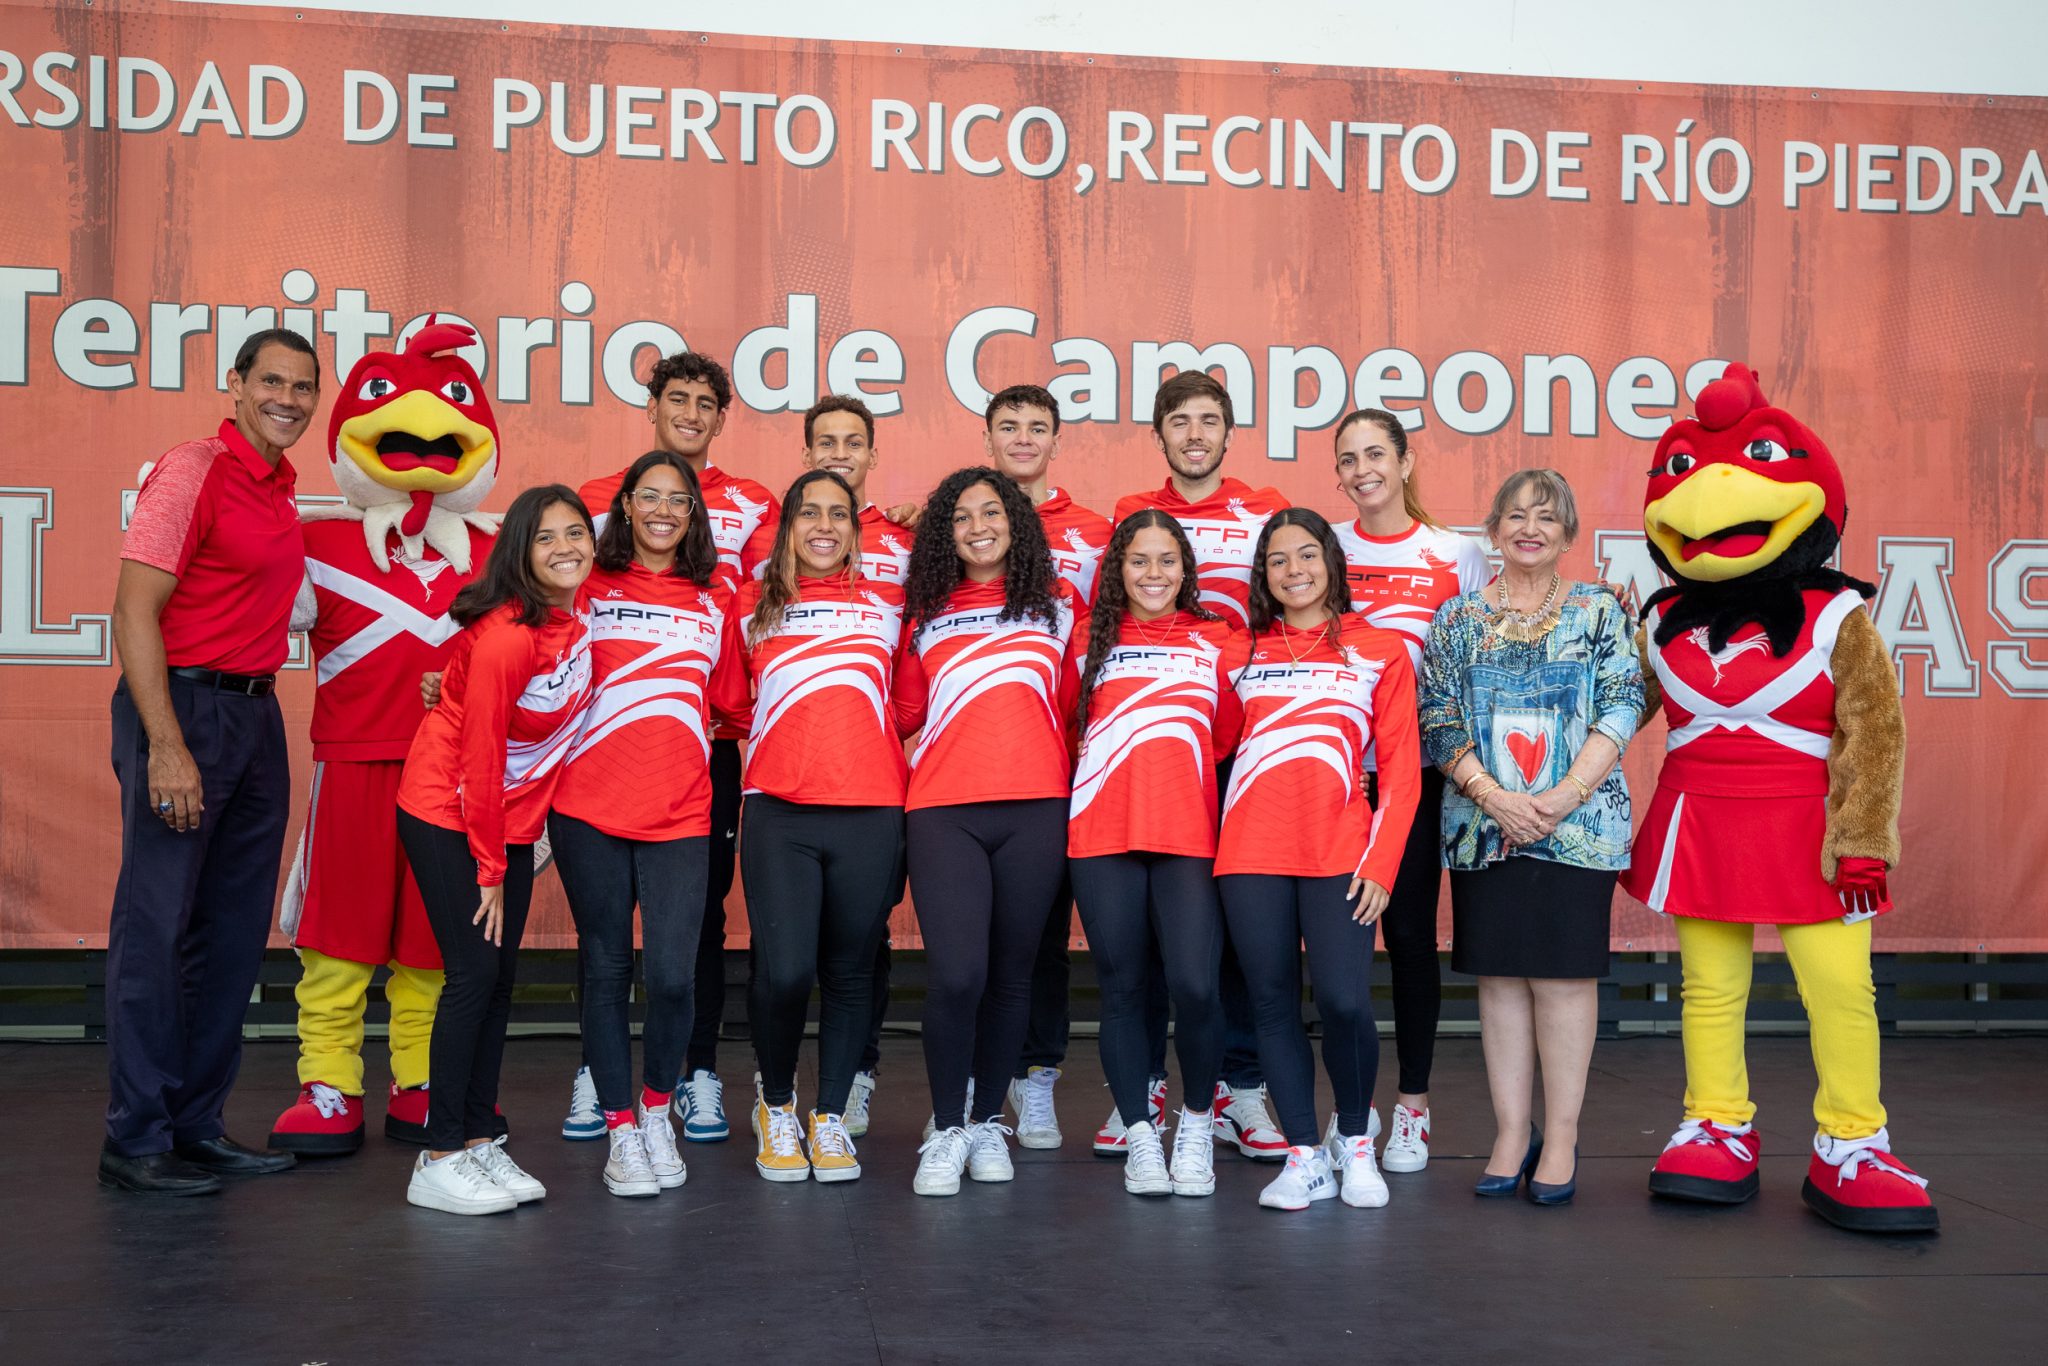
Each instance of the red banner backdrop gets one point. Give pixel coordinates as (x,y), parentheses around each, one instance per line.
(1534,271)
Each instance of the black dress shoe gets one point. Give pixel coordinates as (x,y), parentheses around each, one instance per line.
(228,1158)
(155,1174)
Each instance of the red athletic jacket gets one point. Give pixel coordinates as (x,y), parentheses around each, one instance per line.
(1078,536)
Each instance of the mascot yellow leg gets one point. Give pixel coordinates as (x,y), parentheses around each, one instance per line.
(1832,964)
(414,993)
(1718,965)
(327,1118)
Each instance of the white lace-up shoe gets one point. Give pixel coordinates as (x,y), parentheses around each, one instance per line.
(1408,1145)
(857,1102)
(1304,1180)
(658,1137)
(1243,1121)
(1031,1098)
(1363,1187)
(989,1158)
(585,1121)
(456,1185)
(931,1121)
(499,1166)
(1145,1161)
(941,1161)
(1194,1155)
(627,1171)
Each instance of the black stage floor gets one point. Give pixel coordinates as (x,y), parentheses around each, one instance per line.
(327,1264)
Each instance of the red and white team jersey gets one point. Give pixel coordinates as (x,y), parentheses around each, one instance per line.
(993,698)
(884,547)
(824,730)
(487,757)
(1296,805)
(1736,826)
(1077,536)
(742,513)
(639,768)
(375,633)
(1224,531)
(1398,582)
(1160,713)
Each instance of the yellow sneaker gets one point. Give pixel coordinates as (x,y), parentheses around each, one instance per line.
(832,1155)
(780,1156)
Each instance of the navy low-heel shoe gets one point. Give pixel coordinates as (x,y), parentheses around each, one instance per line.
(1490,1185)
(1542,1193)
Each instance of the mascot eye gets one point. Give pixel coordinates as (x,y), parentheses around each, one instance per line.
(1677,463)
(1764,452)
(458,391)
(377,386)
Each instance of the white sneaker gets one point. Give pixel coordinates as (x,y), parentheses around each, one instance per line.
(499,1166)
(1194,1155)
(456,1185)
(658,1137)
(1145,1161)
(585,1121)
(1109,1139)
(1243,1120)
(1304,1180)
(1364,1188)
(1031,1098)
(989,1158)
(857,1102)
(941,1161)
(626,1171)
(1408,1148)
(1372,1129)
(931,1121)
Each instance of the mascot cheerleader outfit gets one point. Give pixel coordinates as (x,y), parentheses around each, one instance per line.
(414,449)
(1778,803)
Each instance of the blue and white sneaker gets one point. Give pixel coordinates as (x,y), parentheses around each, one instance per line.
(700,1105)
(585,1120)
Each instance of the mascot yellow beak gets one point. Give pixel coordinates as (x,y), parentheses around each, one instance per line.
(417,442)
(1726,521)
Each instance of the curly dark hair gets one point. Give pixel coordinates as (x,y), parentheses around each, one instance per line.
(1030,588)
(696,557)
(1112,602)
(1264,608)
(690,367)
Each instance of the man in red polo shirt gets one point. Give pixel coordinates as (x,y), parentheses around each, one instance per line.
(209,566)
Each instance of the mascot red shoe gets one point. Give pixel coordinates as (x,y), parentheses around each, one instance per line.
(414,449)
(1779,799)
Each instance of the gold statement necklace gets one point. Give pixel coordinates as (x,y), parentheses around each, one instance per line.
(1527,627)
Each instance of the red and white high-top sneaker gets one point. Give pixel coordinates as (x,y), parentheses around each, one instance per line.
(1714,1164)
(1242,1119)
(321,1123)
(1109,1139)
(1856,1183)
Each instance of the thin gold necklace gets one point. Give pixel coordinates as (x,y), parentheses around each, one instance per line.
(1527,627)
(1166,628)
(1286,638)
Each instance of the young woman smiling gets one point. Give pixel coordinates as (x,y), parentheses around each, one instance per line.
(984,671)
(632,816)
(1402,566)
(473,799)
(1302,859)
(822,828)
(1141,833)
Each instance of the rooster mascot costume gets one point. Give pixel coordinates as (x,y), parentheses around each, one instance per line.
(1778,803)
(414,450)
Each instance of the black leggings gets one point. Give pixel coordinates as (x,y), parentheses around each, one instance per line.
(1270,919)
(1138,908)
(820,880)
(983,877)
(725,829)
(1408,930)
(468,1045)
(603,876)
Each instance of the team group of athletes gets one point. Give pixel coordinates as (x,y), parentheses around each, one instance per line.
(674,657)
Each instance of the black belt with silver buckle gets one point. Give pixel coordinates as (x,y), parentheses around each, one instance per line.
(255,685)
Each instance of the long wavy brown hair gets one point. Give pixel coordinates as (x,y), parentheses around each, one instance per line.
(778,578)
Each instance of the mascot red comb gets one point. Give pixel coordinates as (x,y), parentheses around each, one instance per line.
(1778,803)
(414,450)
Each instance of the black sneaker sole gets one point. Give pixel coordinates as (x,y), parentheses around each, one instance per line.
(1702,1191)
(1860,1219)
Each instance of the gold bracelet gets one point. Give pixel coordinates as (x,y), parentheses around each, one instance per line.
(1585,793)
(1476,797)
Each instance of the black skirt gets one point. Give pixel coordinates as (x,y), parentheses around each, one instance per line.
(1531,917)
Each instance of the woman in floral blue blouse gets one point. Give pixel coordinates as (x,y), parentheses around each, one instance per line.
(1530,692)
